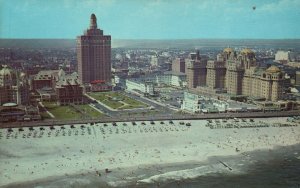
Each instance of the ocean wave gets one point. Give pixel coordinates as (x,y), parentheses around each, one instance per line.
(184,174)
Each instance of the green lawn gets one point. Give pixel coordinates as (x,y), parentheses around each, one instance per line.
(112,104)
(133,102)
(107,99)
(62,112)
(68,112)
(45,115)
(90,111)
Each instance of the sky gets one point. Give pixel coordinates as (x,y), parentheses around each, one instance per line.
(152,19)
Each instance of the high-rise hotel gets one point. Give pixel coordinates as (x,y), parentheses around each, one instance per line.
(94,55)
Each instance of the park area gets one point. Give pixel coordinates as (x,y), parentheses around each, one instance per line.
(71,111)
(117,100)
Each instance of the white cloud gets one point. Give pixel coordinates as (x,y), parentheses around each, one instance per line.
(279,5)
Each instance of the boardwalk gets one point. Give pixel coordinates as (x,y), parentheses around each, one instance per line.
(157,117)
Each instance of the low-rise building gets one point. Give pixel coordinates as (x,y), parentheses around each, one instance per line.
(14,87)
(196,104)
(140,86)
(100,85)
(170,78)
(69,90)
(13,112)
(278,105)
(45,78)
(46,94)
(59,86)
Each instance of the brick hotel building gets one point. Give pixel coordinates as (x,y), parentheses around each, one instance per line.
(94,55)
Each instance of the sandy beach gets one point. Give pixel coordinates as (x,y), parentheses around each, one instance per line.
(145,152)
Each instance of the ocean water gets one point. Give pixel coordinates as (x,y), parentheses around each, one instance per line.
(261,169)
(275,174)
(281,169)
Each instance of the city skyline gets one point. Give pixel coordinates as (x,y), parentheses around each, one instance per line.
(160,19)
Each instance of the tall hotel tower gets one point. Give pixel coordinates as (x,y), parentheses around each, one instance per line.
(93,54)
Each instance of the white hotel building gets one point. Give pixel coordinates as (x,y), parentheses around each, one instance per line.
(196,104)
(169,78)
(140,86)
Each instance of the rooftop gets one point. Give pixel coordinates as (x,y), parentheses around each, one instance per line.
(228,50)
(273,69)
(247,51)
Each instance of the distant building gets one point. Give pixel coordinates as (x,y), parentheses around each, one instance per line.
(297,78)
(94,54)
(154,61)
(234,77)
(195,70)
(282,56)
(178,65)
(216,74)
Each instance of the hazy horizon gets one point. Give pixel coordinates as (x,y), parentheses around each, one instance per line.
(151,43)
(157,38)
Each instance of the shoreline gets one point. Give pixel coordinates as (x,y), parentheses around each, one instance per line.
(171,173)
